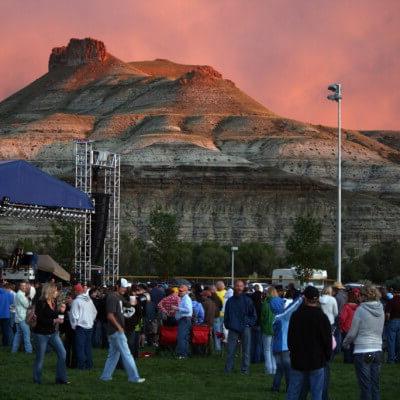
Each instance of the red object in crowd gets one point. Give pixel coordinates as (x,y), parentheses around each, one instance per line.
(346,316)
(200,334)
(168,335)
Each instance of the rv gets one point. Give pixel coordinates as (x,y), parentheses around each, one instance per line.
(284,276)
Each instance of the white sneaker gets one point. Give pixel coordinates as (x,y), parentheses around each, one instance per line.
(141,380)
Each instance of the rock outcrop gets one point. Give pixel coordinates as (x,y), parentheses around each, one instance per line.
(78,52)
(194,143)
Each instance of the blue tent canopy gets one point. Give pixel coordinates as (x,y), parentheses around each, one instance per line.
(23,183)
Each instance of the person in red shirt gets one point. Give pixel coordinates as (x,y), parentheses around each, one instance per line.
(168,305)
(345,320)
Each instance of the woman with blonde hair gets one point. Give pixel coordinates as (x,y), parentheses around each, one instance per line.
(48,317)
(271,306)
(366,334)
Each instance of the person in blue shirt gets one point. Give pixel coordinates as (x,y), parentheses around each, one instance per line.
(6,300)
(183,315)
(198,312)
(240,316)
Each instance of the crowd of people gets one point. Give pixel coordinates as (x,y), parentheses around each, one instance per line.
(295,334)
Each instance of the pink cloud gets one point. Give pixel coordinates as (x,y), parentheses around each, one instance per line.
(282,53)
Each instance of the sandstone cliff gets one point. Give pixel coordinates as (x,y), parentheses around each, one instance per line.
(194,143)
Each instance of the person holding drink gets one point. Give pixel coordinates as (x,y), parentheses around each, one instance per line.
(48,318)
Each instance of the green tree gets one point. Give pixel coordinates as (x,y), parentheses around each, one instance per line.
(303,246)
(163,230)
(255,258)
(211,259)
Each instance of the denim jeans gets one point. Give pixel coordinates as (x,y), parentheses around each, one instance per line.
(269,359)
(24,332)
(6,331)
(256,352)
(218,327)
(233,338)
(283,368)
(314,380)
(42,341)
(182,345)
(83,347)
(368,367)
(118,346)
(393,340)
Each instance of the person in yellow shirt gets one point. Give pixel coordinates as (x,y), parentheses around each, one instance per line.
(219,321)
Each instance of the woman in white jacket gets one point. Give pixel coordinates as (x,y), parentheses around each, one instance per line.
(329,305)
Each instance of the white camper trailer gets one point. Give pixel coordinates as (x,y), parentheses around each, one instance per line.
(284,276)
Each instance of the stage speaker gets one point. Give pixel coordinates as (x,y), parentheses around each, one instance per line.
(99,225)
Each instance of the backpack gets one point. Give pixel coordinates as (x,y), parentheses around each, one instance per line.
(31,318)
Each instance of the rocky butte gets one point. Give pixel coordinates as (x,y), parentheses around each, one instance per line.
(195,144)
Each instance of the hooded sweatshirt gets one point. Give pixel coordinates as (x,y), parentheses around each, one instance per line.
(329,307)
(367,328)
(83,312)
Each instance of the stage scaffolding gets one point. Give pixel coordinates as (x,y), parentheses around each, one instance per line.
(86,160)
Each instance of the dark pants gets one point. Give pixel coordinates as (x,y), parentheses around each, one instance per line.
(283,369)
(348,352)
(182,348)
(69,344)
(368,367)
(6,331)
(133,343)
(393,340)
(256,345)
(245,338)
(83,347)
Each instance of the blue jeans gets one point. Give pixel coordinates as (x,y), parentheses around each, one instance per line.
(257,355)
(368,368)
(233,338)
(218,327)
(118,347)
(182,345)
(24,332)
(314,380)
(283,368)
(83,347)
(269,359)
(42,341)
(393,340)
(6,331)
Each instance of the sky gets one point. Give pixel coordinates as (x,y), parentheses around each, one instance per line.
(283,53)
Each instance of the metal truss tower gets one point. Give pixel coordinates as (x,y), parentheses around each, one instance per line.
(86,158)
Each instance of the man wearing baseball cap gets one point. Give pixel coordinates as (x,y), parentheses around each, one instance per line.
(118,344)
(310,346)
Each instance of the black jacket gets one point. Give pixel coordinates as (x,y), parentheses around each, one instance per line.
(309,339)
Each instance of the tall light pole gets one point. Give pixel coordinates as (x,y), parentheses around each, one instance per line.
(336,88)
(233,249)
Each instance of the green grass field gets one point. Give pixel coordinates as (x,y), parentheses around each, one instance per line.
(166,379)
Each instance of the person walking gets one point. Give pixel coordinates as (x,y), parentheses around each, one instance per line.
(392,311)
(310,346)
(118,344)
(271,306)
(48,318)
(366,334)
(240,316)
(21,303)
(183,316)
(82,317)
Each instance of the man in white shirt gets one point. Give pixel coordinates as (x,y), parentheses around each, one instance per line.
(183,315)
(82,316)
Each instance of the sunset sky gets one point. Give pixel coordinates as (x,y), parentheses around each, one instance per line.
(281,52)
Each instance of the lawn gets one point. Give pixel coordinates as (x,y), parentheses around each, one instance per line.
(166,379)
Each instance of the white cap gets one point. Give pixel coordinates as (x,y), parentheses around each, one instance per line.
(124,283)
